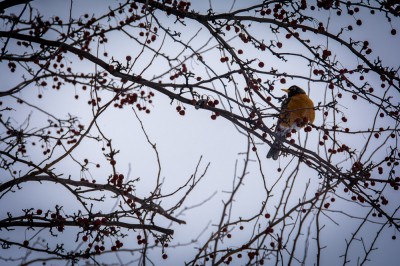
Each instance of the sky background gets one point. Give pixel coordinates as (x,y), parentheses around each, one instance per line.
(182,140)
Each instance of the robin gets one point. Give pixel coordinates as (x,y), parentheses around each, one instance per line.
(297,110)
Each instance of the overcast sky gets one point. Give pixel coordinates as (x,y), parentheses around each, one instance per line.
(182,140)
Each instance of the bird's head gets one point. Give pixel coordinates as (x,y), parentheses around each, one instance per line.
(294,90)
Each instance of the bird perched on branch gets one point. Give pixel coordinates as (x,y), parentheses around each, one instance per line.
(296,112)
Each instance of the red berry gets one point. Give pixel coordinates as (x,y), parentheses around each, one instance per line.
(261,64)
(165,256)
(393,31)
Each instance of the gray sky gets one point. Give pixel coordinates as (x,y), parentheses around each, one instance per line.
(181,140)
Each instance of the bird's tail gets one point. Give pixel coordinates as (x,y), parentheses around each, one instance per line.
(275,150)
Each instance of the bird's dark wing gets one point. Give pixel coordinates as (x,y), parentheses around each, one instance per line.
(283,115)
(279,131)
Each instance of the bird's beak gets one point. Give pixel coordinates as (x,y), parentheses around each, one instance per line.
(286,90)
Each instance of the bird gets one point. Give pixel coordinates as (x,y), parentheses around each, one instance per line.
(297,111)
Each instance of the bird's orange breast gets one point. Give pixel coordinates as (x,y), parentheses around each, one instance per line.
(299,111)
